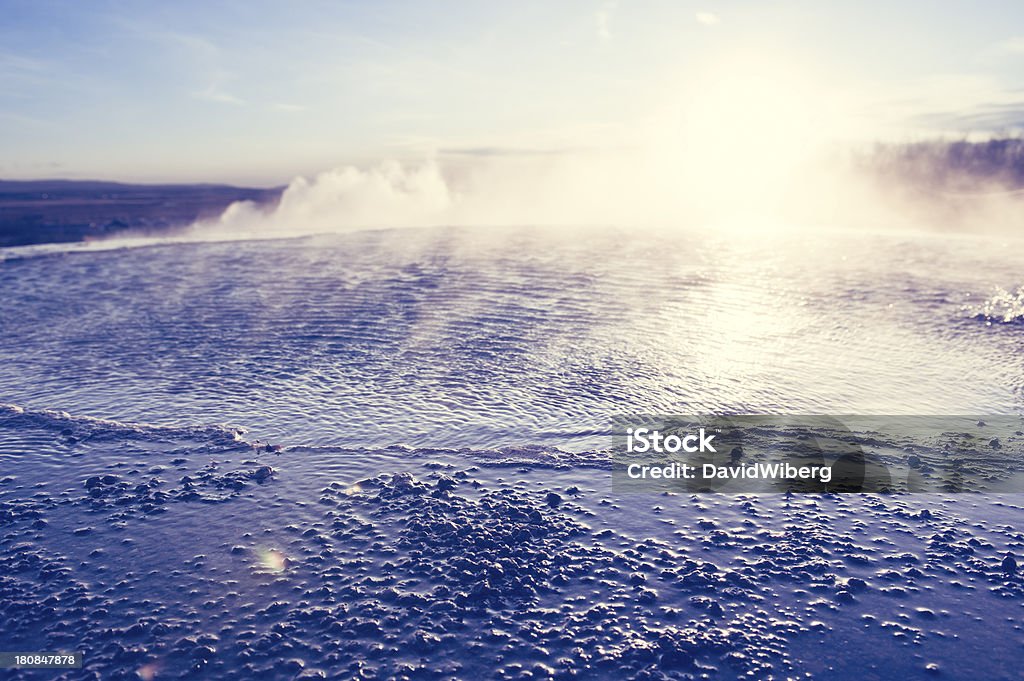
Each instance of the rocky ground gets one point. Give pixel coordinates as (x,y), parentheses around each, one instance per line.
(169,553)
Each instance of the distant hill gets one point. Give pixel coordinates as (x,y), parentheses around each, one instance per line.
(949,166)
(47,211)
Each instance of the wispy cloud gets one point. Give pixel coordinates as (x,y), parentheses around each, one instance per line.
(287,107)
(198,47)
(1010,46)
(707,18)
(200,58)
(16,64)
(953,103)
(496,151)
(604,19)
(19,73)
(215,89)
(213,93)
(982,118)
(23,120)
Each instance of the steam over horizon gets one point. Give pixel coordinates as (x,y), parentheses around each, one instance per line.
(839,188)
(745,140)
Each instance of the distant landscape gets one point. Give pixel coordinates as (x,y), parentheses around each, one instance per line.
(54,211)
(951,167)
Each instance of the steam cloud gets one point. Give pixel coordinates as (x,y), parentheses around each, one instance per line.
(480,193)
(624,189)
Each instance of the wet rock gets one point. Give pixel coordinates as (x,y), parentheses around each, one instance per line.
(856,584)
(675,658)
(262,473)
(424,642)
(710,605)
(646,596)
(401,484)
(97,481)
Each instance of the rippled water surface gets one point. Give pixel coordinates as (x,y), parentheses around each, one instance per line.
(471,338)
(165,548)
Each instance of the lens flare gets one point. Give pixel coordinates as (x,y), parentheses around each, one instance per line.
(272,560)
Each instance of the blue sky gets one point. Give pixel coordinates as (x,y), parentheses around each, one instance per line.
(257,92)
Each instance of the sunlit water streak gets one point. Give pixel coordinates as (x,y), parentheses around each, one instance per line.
(454,338)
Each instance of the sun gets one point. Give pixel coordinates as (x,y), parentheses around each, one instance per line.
(745,129)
